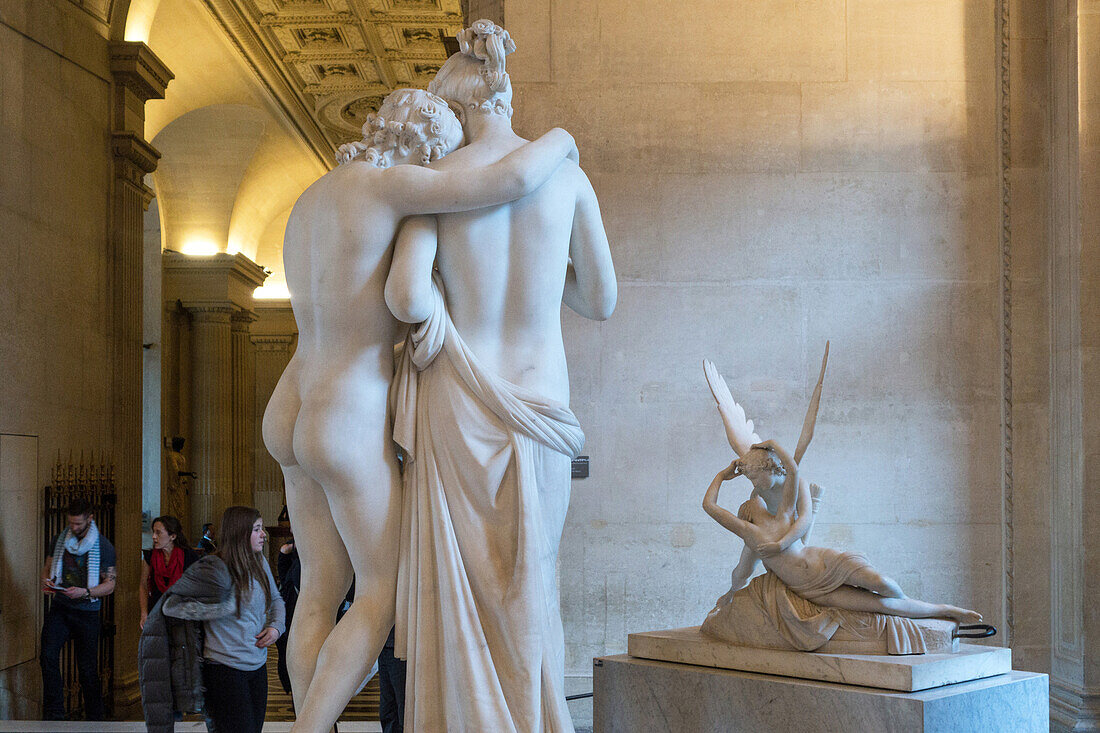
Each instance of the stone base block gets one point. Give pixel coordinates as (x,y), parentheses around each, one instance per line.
(644,695)
(904,673)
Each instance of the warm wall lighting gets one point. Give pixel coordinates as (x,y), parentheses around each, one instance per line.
(200,247)
(273,291)
(139,19)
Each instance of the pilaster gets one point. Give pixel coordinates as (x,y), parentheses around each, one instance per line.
(137,76)
(274,337)
(215,295)
(1075,346)
(244,408)
(211,413)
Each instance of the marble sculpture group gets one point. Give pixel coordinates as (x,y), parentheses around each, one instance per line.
(438,473)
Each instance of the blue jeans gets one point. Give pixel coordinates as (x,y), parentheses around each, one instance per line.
(61,624)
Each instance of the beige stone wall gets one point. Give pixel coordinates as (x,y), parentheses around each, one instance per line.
(775,174)
(55,172)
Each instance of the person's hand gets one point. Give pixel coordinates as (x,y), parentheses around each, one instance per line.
(287,548)
(141,623)
(48,587)
(267,637)
(75,593)
(769,549)
(730,471)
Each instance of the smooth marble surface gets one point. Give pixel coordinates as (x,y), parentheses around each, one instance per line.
(905,673)
(640,694)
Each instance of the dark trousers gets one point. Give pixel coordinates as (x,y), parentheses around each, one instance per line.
(284,672)
(391,694)
(236,700)
(82,627)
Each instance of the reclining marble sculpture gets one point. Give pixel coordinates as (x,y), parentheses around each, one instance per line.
(809,596)
(326,423)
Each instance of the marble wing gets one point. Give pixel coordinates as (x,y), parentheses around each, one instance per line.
(811,412)
(739,429)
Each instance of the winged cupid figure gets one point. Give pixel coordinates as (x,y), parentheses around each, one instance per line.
(767,486)
(775,523)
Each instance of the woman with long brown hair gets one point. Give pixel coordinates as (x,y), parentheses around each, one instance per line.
(163,565)
(232,594)
(234,669)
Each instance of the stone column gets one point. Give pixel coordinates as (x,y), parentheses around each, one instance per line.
(211,413)
(1075,366)
(244,408)
(137,76)
(273,353)
(216,294)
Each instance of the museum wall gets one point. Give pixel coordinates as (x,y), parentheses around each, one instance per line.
(776,174)
(55,173)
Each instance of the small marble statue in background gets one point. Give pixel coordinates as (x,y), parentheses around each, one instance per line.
(808,592)
(178,495)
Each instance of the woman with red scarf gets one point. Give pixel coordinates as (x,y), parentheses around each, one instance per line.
(164,564)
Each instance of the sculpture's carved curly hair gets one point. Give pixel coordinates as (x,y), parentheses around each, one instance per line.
(475,78)
(409,120)
(762,459)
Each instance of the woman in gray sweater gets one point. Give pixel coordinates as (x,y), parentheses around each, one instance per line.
(230,596)
(234,669)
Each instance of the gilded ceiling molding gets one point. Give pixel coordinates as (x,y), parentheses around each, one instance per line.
(331,66)
(298,111)
(452,18)
(298,19)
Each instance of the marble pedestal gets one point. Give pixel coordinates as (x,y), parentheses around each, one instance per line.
(644,695)
(907,673)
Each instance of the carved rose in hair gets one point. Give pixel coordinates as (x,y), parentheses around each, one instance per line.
(429,109)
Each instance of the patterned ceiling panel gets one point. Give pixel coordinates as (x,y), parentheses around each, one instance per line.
(335,60)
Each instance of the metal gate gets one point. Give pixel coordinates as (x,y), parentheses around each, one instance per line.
(95,482)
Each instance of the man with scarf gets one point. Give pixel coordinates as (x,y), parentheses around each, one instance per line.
(79,573)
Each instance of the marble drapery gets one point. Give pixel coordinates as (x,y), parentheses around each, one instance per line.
(486,491)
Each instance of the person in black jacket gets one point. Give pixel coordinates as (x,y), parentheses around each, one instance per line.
(290,582)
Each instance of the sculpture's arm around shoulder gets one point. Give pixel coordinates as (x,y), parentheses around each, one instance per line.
(409,283)
(590,286)
(802,524)
(413,189)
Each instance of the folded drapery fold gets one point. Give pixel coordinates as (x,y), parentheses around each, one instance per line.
(486,486)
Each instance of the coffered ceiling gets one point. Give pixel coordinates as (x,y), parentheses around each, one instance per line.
(330,62)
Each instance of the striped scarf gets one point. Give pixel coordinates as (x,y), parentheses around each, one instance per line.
(89,544)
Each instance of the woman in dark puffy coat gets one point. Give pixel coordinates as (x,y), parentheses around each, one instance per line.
(170,650)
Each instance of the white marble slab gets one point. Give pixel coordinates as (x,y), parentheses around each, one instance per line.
(904,673)
(644,695)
